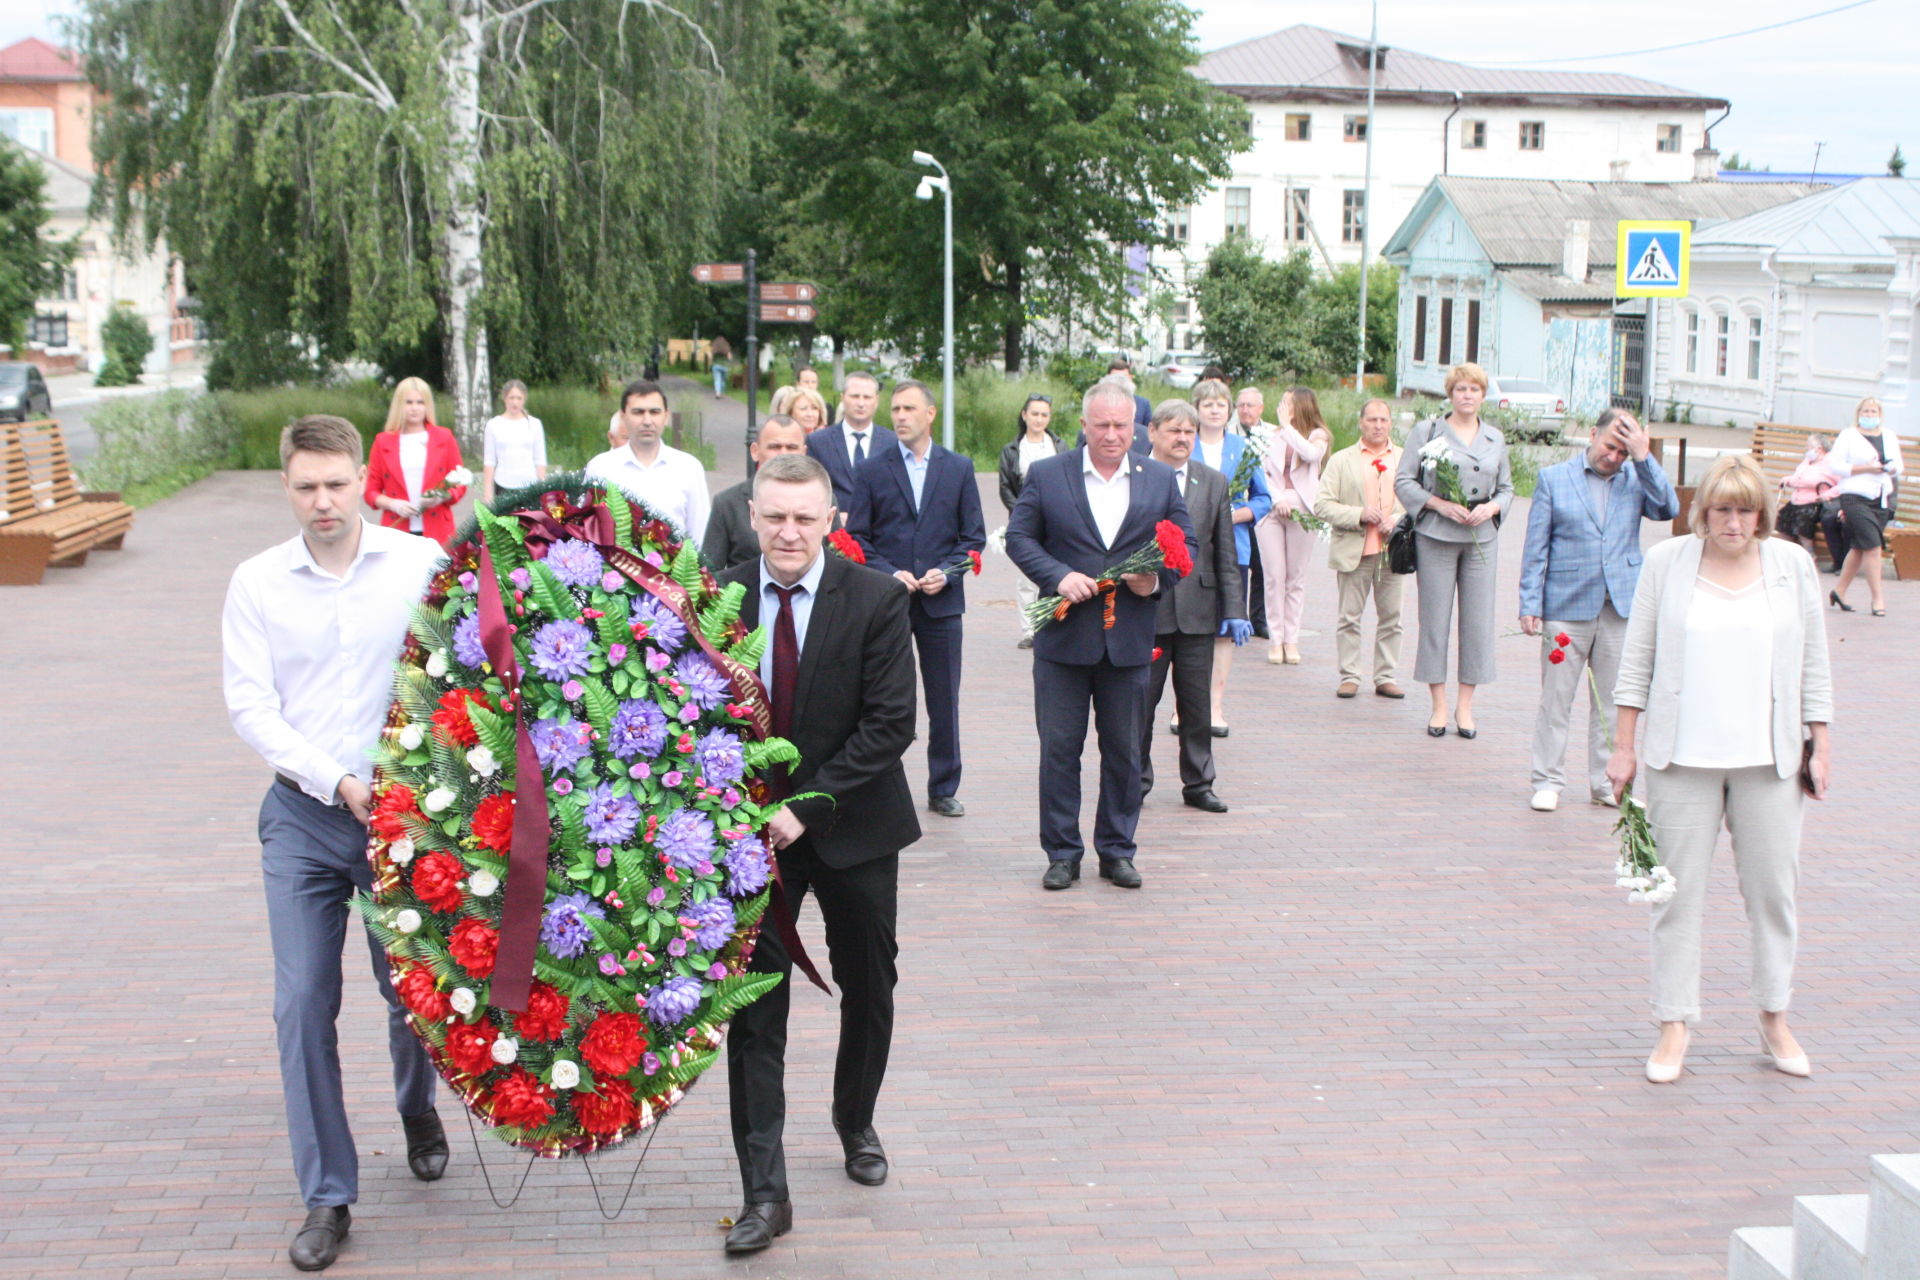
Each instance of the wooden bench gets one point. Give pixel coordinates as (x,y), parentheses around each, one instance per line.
(44,518)
(1779,449)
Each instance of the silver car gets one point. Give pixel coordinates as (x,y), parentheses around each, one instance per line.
(1180,369)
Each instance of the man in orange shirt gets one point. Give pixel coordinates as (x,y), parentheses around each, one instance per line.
(1356,499)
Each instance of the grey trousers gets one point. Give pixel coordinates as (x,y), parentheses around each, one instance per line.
(1372,578)
(313,857)
(1596,643)
(1447,568)
(1761,810)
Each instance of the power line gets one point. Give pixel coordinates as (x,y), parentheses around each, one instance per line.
(1684,44)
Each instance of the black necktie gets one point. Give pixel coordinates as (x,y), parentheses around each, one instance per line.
(859,447)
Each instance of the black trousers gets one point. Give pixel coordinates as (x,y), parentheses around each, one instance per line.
(1253,589)
(1191,659)
(1062,694)
(938,642)
(860,905)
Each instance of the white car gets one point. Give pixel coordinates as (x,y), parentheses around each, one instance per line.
(1180,369)
(1527,395)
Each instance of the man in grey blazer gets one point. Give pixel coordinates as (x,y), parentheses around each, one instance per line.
(730,537)
(1189,616)
(1577,578)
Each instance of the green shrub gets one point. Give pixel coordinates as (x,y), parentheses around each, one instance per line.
(127,343)
(152,446)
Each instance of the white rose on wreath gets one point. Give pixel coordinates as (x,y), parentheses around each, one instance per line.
(565,1074)
(482,884)
(481,761)
(401,851)
(406,920)
(438,800)
(412,736)
(463,1000)
(505,1050)
(437,665)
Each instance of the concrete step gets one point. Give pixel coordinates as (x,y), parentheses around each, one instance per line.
(1893,1220)
(1761,1253)
(1829,1237)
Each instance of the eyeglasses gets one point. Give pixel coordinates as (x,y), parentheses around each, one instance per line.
(1041,399)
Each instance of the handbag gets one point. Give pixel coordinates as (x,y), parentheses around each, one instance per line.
(1400,552)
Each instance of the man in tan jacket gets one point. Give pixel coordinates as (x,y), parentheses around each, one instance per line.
(1356,499)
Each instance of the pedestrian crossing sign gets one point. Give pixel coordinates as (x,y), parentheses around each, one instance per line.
(1652,259)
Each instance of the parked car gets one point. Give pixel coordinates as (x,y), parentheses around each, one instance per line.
(1180,369)
(1529,396)
(23,392)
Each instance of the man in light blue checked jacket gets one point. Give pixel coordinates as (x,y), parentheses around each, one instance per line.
(1577,578)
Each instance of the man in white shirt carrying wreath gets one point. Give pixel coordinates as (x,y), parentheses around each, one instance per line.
(308,637)
(670,481)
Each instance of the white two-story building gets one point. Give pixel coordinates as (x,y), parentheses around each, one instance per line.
(1303,182)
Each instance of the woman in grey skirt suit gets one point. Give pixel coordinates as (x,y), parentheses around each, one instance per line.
(1456,545)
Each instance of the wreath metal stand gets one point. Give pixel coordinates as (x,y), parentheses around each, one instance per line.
(599,1198)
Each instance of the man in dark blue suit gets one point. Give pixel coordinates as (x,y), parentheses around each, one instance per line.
(846,445)
(1078,514)
(1142,442)
(916,512)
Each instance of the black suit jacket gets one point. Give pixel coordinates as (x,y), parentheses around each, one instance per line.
(1051,534)
(946,527)
(730,537)
(853,711)
(1199,601)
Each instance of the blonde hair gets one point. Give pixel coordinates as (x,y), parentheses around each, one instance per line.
(397,409)
(1211,389)
(1466,371)
(1735,478)
(1861,407)
(810,396)
(782,397)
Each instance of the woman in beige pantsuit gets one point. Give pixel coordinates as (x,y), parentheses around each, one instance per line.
(1726,659)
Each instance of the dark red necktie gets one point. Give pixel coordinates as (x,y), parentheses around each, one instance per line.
(786,672)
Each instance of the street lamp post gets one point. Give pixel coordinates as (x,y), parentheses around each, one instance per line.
(1366,202)
(943,184)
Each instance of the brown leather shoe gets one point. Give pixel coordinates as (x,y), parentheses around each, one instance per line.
(1389,690)
(1347,689)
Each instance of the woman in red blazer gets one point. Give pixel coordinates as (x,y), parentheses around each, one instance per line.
(407,474)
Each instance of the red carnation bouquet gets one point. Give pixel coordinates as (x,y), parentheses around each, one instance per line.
(968,563)
(1168,549)
(846,546)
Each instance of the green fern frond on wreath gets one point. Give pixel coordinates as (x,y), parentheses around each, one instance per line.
(759,755)
(686,571)
(690,1069)
(615,625)
(505,541)
(550,595)
(496,734)
(433,634)
(602,706)
(414,690)
(747,652)
(749,912)
(736,993)
(721,612)
(622,516)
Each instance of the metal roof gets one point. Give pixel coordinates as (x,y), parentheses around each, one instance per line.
(1318,61)
(1522,222)
(35,59)
(1548,286)
(1840,224)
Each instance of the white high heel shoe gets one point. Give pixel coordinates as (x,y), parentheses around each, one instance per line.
(1794,1066)
(1668,1072)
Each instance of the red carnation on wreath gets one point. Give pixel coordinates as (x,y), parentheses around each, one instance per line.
(613,1044)
(1173,547)
(546,1014)
(390,813)
(607,1111)
(493,822)
(521,1100)
(847,545)
(451,720)
(470,1047)
(418,992)
(436,881)
(473,943)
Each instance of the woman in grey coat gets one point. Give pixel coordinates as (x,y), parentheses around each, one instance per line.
(1456,543)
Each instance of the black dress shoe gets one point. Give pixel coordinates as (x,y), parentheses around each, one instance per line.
(1467,733)
(1436,731)
(759,1225)
(1025,642)
(947,806)
(1206,800)
(866,1158)
(426,1145)
(1121,871)
(1061,873)
(317,1243)
(1218,730)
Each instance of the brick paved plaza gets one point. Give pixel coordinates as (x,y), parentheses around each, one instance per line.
(1380,1020)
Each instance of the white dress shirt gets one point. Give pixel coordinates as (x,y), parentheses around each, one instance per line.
(515,449)
(307,658)
(675,486)
(1108,498)
(413,470)
(770,607)
(847,431)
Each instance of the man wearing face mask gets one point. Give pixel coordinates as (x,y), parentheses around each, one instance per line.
(1577,578)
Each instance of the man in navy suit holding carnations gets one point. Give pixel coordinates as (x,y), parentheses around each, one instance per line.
(1078,514)
(916,513)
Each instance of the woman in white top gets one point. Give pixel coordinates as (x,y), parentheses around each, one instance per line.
(1033,441)
(1866,461)
(1726,660)
(516,445)
(1292,465)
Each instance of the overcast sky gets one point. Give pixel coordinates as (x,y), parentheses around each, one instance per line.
(1846,81)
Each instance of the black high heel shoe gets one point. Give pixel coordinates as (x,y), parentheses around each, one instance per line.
(1833,597)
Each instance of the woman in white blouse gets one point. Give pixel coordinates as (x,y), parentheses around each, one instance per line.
(1726,660)
(516,445)
(1866,461)
(1292,467)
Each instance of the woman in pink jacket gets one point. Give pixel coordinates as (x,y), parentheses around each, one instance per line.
(1294,453)
(1810,485)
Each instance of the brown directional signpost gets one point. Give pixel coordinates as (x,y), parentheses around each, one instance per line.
(777,302)
(791,291)
(787,313)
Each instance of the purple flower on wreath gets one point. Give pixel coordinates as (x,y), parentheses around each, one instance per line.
(520,578)
(611,582)
(610,818)
(576,563)
(747,868)
(666,629)
(686,837)
(468,581)
(560,744)
(650,1064)
(673,1001)
(563,930)
(712,922)
(562,649)
(720,759)
(707,688)
(466,643)
(639,728)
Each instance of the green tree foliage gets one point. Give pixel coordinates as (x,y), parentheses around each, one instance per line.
(128,343)
(1275,318)
(1897,163)
(30,264)
(1065,124)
